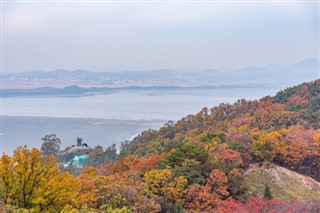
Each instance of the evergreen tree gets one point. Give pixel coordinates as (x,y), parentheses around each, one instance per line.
(178,208)
(267,193)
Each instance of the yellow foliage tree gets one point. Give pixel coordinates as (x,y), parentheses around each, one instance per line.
(267,145)
(30,181)
(162,184)
(175,190)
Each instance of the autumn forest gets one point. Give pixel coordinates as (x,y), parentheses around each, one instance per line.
(213,161)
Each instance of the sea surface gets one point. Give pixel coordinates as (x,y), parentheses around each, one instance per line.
(106,118)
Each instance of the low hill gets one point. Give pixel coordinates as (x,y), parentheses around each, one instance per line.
(283,183)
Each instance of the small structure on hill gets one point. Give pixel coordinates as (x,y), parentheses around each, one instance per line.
(79,142)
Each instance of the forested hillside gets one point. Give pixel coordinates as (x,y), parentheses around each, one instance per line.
(283,129)
(229,158)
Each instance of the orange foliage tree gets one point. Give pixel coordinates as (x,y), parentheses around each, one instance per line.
(316,140)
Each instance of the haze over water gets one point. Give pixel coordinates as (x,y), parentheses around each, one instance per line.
(106,119)
(135,105)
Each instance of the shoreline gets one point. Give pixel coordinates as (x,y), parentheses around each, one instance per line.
(84,118)
(28,130)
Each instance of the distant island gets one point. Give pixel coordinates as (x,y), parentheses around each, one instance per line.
(76,91)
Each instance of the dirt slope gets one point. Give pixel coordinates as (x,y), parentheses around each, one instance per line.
(283,183)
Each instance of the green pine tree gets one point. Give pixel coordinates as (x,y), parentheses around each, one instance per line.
(267,193)
(178,208)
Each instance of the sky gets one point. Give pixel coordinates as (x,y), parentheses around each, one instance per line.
(115,36)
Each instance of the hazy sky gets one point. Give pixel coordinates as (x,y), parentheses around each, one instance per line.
(139,36)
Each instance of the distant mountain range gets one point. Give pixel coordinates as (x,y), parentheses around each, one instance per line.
(292,74)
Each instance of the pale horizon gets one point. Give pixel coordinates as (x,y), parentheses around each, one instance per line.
(145,36)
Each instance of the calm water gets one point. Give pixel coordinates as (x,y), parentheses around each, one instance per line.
(105,119)
(150,105)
